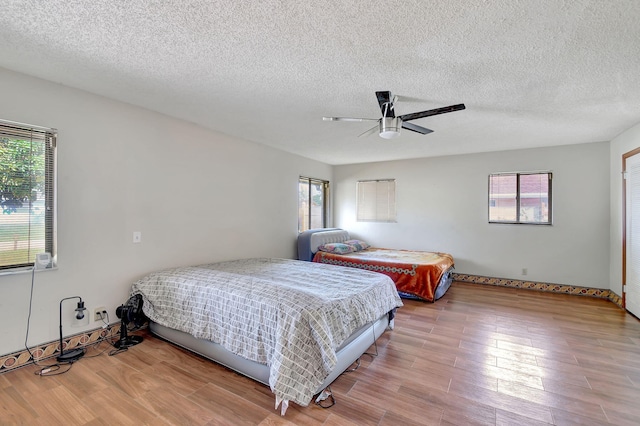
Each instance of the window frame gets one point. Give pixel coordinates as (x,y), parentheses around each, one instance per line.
(325,201)
(518,195)
(391,215)
(48,137)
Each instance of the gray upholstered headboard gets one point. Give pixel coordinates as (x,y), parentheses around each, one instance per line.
(309,241)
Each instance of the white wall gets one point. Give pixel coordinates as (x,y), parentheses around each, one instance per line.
(197,196)
(625,142)
(442,206)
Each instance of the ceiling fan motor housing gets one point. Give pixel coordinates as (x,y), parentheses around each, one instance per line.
(390,127)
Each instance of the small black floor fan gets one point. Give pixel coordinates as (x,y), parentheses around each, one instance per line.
(130,313)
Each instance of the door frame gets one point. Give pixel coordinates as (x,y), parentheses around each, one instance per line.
(624,223)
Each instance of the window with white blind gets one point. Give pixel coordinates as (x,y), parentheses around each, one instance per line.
(27,193)
(376,200)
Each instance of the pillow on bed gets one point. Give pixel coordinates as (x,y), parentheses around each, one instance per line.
(357,245)
(336,248)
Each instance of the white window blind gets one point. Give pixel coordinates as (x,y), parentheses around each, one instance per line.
(376,200)
(27,185)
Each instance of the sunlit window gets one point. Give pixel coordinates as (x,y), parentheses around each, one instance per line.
(312,203)
(520,198)
(27,185)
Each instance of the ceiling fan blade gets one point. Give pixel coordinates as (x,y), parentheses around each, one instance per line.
(372,130)
(429,113)
(349,119)
(416,128)
(385,100)
(402,98)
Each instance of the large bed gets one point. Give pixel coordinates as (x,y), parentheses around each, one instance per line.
(417,274)
(294,326)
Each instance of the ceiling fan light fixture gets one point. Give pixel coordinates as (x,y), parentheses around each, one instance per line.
(389,134)
(390,127)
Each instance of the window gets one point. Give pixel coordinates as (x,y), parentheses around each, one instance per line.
(27,185)
(312,203)
(376,200)
(520,198)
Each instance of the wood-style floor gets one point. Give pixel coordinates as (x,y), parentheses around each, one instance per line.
(481,355)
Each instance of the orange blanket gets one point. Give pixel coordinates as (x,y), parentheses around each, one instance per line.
(414,272)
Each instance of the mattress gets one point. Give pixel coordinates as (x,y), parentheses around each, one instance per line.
(415,273)
(287,314)
(348,352)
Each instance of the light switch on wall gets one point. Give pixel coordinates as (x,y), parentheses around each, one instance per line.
(137,236)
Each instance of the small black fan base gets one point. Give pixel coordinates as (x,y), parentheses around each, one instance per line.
(129,312)
(127,342)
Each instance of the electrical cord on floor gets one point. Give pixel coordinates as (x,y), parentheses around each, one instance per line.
(118,350)
(43,370)
(26,336)
(105,324)
(56,368)
(105,338)
(325,395)
(372,355)
(53,370)
(375,344)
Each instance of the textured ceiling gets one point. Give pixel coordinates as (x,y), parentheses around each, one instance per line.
(531,73)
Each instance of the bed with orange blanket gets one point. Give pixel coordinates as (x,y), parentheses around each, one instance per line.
(417,274)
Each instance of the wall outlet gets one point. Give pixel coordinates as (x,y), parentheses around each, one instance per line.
(524,271)
(96,314)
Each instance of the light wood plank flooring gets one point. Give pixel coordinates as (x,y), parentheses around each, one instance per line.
(481,355)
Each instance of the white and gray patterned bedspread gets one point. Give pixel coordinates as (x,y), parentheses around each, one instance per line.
(288,314)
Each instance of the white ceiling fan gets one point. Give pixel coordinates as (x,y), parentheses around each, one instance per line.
(389,125)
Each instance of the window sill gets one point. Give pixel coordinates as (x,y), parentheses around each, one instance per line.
(26,270)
